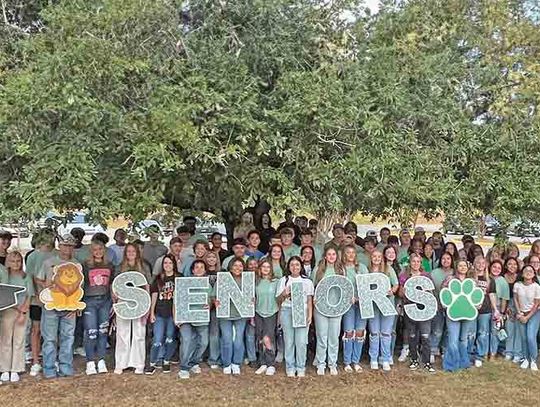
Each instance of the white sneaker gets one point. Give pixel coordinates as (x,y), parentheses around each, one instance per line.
(102,367)
(524,364)
(320,371)
(333,371)
(183,374)
(508,357)
(35,369)
(196,369)
(118,371)
(235,369)
(403,355)
(478,363)
(516,360)
(4,377)
(15,377)
(534,367)
(291,373)
(270,371)
(90,368)
(357,368)
(80,351)
(227,370)
(300,373)
(261,369)
(214,367)
(139,370)
(386,366)
(374,365)
(348,368)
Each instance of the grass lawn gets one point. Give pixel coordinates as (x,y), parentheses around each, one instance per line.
(498,383)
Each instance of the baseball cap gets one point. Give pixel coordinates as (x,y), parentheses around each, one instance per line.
(419,229)
(371,233)
(67,240)
(337,226)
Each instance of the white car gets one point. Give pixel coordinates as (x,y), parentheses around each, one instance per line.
(79,221)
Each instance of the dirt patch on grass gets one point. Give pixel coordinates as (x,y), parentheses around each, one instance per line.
(498,383)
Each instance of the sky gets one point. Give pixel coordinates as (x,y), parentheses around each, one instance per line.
(373,5)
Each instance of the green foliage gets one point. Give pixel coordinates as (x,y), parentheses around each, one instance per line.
(123,106)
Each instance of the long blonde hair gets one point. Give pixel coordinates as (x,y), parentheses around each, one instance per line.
(124,266)
(91,261)
(385,267)
(323,265)
(344,260)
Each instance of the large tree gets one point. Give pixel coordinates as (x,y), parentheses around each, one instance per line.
(123,106)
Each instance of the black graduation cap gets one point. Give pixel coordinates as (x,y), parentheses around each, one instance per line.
(8,295)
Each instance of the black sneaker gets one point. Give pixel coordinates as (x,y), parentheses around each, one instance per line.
(414,365)
(149,370)
(428,368)
(166,368)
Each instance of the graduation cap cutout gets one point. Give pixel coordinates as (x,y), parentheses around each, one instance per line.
(8,295)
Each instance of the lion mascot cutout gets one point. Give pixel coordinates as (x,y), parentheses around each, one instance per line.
(65,293)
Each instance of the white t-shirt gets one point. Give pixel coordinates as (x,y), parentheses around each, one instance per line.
(526,295)
(287,282)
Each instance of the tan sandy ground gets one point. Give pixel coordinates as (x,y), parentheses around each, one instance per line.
(498,383)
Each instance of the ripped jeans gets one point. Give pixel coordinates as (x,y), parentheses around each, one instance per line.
(164,340)
(354,335)
(380,336)
(419,334)
(96,326)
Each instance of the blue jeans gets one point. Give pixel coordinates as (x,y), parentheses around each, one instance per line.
(214,350)
(251,349)
(193,345)
(380,336)
(354,335)
(327,330)
(460,333)
(529,335)
(58,332)
(437,331)
(514,342)
(232,343)
(295,343)
(483,328)
(164,328)
(96,326)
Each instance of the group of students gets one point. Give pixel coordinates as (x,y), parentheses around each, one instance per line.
(507,324)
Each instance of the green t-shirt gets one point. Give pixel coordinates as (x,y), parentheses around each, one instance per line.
(278,271)
(23,281)
(82,254)
(265,292)
(33,268)
(292,250)
(438,276)
(426,265)
(363,258)
(502,289)
(3,275)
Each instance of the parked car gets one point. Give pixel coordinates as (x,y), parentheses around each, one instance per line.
(524,228)
(492,226)
(454,226)
(76,220)
(17,230)
(142,225)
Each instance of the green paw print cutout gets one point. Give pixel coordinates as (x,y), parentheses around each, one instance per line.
(461,299)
